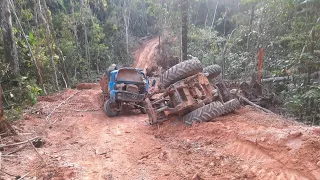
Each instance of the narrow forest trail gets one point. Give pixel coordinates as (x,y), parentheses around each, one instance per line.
(145,56)
(83,143)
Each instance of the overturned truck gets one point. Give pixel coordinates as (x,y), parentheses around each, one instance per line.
(187,90)
(124,88)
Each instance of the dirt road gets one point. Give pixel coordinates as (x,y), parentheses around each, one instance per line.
(145,56)
(81,142)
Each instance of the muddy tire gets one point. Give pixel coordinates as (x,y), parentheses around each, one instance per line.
(180,71)
(213,71)
(231,105)
(204,113)
(143,110)
(111,112)
(208,112)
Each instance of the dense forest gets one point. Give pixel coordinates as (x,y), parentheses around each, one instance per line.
(49,45)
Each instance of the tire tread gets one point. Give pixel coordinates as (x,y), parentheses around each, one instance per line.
(180,71)
(210,111)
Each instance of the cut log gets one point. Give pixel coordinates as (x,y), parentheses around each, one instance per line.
(314,75)
(277,79)
(17,144)
(253,104)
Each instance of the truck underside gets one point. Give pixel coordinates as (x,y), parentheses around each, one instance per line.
(186,91)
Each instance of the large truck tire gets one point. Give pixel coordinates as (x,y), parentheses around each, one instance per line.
(210,111)
(231,105)
(213,71)
(180,71)
(111,112)
(204,113)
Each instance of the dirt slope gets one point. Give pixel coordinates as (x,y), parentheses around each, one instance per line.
(145,56)
(83,143)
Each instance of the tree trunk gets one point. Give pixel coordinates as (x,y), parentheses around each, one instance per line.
(145,18)
(49,45)
(87,45)
(29,46)
(312,47)
(34,6)
(224,54)
(75,33)
(198,8)
(184,29)
(205,22)
(86,41)
(98,62)
(65,75)
(74,25)
(127,38)
(126,17)
(10,48)
(250,25)
(214,16)
(1,106)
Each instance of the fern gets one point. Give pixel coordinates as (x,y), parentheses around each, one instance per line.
(313,93)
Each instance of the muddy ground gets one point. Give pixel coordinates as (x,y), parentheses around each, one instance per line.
(81,142)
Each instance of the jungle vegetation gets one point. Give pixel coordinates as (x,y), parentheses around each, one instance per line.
(50,45)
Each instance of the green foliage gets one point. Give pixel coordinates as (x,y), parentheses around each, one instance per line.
(29,91)
(13,114)
(33,92)
(283,29)
(76,42)
(313,93)
(82,40)
(204,45)
(304,102)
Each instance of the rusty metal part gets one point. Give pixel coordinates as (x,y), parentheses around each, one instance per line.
(190,92)
(181,97)
(155,116)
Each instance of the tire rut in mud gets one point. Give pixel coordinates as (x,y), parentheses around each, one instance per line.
(263,165)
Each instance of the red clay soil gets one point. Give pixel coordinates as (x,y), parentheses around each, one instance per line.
(146,56)
(81,142)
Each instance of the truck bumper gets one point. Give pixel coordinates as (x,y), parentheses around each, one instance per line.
(129,97)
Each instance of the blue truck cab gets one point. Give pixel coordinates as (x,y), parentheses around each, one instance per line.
(125,87)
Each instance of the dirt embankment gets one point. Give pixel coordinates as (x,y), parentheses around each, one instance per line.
(81,142)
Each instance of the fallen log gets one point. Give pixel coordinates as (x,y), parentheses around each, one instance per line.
(16,150)
(16,144)
(314,75)
(277,79)
(253,104)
